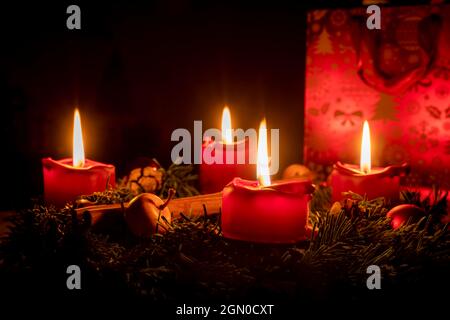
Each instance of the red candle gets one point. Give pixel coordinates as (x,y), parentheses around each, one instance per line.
(264,212)
(365,180)
(274,214)
(66,179)
(215,176)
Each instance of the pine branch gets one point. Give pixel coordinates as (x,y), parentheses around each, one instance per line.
(193,252)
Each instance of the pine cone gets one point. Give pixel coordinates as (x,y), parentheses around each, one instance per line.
(145,179)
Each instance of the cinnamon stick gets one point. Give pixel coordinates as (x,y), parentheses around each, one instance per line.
(194,205)
(189,206)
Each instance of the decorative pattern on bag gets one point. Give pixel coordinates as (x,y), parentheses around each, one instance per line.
(398,78)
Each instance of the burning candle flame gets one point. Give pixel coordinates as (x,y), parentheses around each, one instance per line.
(365,162)
(262,166)
(78,147)
(227,136)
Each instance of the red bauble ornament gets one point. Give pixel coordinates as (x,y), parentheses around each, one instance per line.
(402,213)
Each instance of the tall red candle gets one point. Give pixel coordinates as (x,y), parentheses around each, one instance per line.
(214,177)
(66,179)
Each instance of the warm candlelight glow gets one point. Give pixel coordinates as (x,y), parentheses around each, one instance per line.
(365,162)
(78,147)
(227,136)
(262,166)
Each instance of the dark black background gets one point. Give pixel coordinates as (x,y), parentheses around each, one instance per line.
(137,71)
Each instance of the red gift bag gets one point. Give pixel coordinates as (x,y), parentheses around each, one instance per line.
(397,78)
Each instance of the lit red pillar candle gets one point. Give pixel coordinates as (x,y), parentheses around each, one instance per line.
(372,182)
(259,211)
(214,176)
(66,179)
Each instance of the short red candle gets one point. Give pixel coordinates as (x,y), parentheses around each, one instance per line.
(274,214)
(263,211)
(66,179)
(214,177)
(380,182)
(64,183)
(365,180)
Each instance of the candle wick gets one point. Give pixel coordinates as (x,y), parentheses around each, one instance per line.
(365,170)
(79,164)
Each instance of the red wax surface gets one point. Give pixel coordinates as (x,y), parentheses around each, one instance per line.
(214,177)
(64,183)
(381,182)
(273,214)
